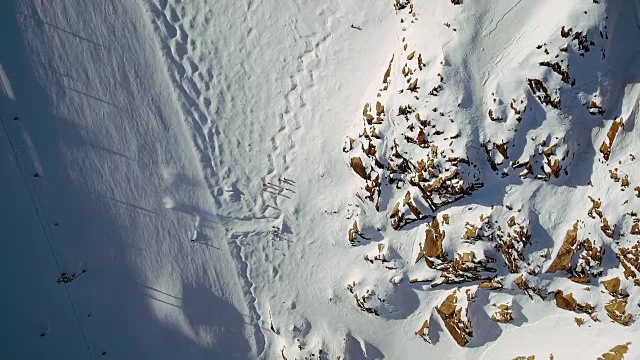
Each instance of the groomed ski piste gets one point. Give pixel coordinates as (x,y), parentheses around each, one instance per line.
(320,180)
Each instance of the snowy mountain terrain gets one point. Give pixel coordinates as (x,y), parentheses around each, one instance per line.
(399,179)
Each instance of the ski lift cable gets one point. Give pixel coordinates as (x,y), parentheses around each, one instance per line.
(73,307)
(37,199)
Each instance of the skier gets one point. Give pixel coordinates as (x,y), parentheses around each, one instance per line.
(275,232)
(65,278)
(287,181)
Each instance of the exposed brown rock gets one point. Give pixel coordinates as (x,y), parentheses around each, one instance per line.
(542,93)
(516,111)
(432,246)
(423,332)
(613,174)
(555,168)
(398,216)
(456,323)
(413,87)
(367,116)
(630,260)
(586,308)
(528,168)
(502,149)
(607,144)
(566,302)
(595,208)
(379,108)
(348,146)
(606,228)
(612,286)
(583,41)
(373,189)
(361,301)
(503,314)
(395,214)
(401,4)
(625,182)
(470,232)
(595,109)
(358,167)
(616,309)
(465,267)
(635,228)
(553,164)
(521,282)
(557,68)
(581,278)
(404,110)
(409,203)
(371,149)
(616,353)
(353,232)
(387,74)
(436,90)
(380,256)
(492,117)
(421,140)
(493,284)
(512,245)
(588,263)
(566,251)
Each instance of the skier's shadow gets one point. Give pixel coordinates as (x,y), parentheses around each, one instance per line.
(207,313)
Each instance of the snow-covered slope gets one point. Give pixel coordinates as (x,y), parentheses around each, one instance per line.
(344,179)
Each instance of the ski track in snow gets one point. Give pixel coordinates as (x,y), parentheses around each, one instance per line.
(205,135)
(284,141)
(503,16)
(195,99)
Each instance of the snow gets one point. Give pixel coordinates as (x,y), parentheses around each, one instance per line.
(190,159)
